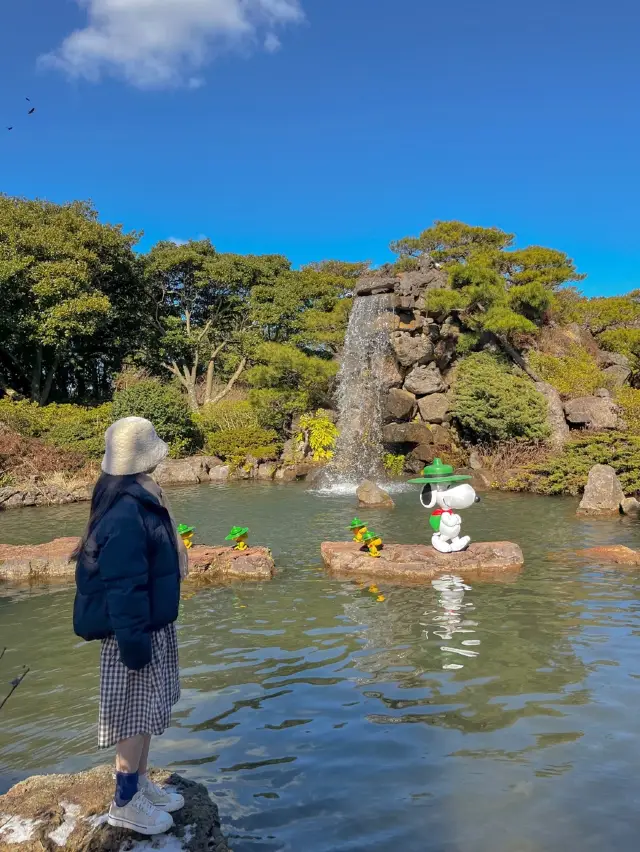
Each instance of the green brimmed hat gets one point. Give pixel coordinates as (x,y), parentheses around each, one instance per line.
(369,535)
(356,523)
(438,472)
(236,532)
(183,529)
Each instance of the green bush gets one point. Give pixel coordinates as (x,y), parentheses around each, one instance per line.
(227,414)
(234,445)
(626,341)
(166,407)
(493,403)
(572,375)
(275,408)
(393,464)
(321,433)
(567,472)
(70,427)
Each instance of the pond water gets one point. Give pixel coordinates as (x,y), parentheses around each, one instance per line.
(495,718)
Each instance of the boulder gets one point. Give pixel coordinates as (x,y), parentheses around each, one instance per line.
(220,473)
(423,380)
(421,562)
(609,359)
(434,408)
(389,372)
(591,412)
(407,321)
(420,456)
(266,471)
(186,471)
(411,350)
(35,494)
(225,563)
(69,812)
(445,350)
(630,506)
(53,560)
(406,433)
(374,284)
(603,493)
(293,472)
(617,375)
(371,495)
(617,554)
(559,429)
(401,404)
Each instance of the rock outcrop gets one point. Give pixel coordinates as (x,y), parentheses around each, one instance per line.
(53,560)
(425,379)
(35,494)
(558,426)
(615,554)
(630,506)
(191,471)
(68,812)
(421,562)
(434,408)
(401,405)
(603,493)
(371,495)
(592,412)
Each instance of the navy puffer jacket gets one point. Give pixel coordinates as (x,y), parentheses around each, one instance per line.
(128,576)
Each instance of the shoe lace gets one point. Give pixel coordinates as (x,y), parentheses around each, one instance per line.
(143,805)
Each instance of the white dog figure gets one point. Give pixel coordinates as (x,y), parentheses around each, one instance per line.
(440,490)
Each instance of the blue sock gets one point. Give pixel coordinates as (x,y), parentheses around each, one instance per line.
(126,787)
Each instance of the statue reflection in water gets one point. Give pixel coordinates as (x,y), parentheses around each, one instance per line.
(450,620)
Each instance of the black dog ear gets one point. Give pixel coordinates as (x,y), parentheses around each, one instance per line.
(426,498)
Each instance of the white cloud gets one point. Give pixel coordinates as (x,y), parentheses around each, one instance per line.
(157,43)
(272,43)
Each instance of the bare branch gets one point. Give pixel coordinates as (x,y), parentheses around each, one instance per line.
(229,386)
(14,685)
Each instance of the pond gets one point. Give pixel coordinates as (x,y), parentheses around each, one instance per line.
(492,718)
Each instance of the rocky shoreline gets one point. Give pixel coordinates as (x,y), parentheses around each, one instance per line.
(194,470)
(69,812)
(53,561)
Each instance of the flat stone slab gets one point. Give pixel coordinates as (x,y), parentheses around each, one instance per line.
(68,812)
(420,562)
(53,561)
(615,554)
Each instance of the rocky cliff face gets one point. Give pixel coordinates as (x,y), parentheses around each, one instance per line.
(417,405)
(418,373)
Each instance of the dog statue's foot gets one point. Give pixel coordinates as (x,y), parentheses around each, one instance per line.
(459,544)
(440,544)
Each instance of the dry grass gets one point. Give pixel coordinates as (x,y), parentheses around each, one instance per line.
(28,460)
(497,459)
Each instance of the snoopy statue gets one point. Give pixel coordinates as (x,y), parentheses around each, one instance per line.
(440,489)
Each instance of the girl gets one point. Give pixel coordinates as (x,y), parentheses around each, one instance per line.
(129,566)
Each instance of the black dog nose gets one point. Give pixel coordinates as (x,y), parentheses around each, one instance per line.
(477,500)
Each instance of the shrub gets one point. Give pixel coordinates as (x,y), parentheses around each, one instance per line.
(275,408)
(626,341)
(321,433)
(70,427)
(567,472)
(234,445)
(165,406)
(629,400)
(393,464)
(493,403)
(227,414)
(572,375)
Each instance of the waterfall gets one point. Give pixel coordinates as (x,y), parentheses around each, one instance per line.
(360,396)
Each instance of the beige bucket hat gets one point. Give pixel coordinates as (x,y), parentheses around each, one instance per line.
(132,446)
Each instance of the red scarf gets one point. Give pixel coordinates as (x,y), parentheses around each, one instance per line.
(439,512)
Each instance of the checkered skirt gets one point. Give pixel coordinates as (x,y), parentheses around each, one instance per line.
(138,702)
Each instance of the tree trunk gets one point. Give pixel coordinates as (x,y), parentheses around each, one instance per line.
(516,357)
(46,390)
(210,373)
(36,375)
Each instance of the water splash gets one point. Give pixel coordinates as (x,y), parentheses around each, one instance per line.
(360,397)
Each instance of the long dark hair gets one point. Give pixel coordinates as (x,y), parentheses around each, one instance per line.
(107,490)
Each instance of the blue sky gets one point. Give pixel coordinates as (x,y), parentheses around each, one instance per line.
(327,128)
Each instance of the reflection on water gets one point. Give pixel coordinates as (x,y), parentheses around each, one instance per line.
(454,717)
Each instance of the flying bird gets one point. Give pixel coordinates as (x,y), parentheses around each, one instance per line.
(31,111)
(9,128)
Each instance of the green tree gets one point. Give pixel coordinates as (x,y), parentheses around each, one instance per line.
(70,297)
(201,312)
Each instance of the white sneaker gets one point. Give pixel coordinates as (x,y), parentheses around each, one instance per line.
(159,796)
(141,816)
